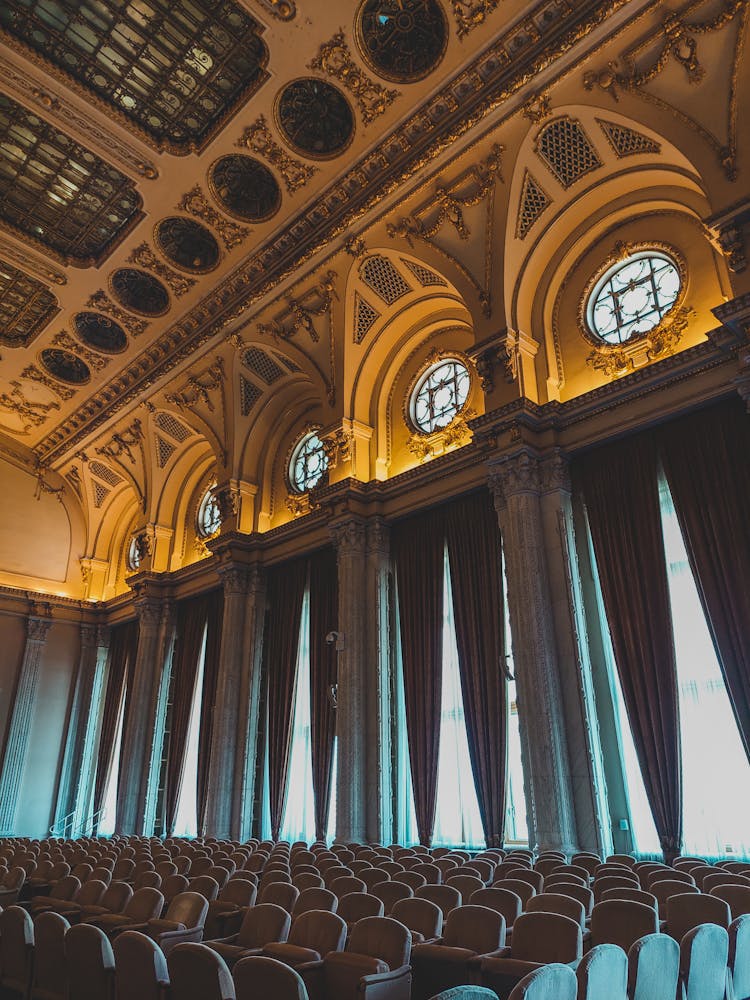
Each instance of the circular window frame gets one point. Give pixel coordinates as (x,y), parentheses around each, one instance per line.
(620,255)
(364,52)
(432,364)
(208,496)
(159,243)
(291,456)
(132,555)
(306,153)
(225,208)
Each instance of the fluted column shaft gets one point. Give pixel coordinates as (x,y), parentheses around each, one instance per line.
(379,805)
(17,740)
(516,484)
(155,626)
(349,536)
(235,733)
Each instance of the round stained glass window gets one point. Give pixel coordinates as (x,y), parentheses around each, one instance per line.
(309,463)
(402,40)
(439,395)
(134,554)
(633,296)
(209,518)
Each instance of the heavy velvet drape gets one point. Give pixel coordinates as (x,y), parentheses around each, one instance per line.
(706,459)
(620,488)
(324,616)
(418,553)
(474,554)
(286,589)
(122,649)
(214,613)
(189,627)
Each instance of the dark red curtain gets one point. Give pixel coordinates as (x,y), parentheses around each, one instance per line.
(214,614)
(706,458)
(286,589)
(418,555)
(324,616)
(620,488)
(475,558)
(123,644)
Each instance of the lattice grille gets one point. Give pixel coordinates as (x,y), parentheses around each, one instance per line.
(164,451)
(626,141)
(249,395)
(534,201)
(263,365)
(100,493)
(104,472)
(384,279)
(287,362)
(364,317)
(423,274)
(172,426)
(567,151)
(25,306)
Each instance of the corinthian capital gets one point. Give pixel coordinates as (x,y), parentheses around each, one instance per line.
(37,628)
(555,470)
(238,579)
(515,475)
(348,535)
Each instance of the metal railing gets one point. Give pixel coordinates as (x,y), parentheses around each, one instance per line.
(66,826)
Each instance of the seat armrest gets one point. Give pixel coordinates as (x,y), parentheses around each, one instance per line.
(231,939)
(386,977)
(157,926)
(500,953)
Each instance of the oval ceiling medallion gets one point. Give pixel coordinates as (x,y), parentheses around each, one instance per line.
(140,292)
(402,40)
(99,332)
(245,187)
(65,366)
(187,243)
(315,117)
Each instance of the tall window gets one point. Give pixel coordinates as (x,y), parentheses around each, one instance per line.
(516,826)
(186,819)
(106,822)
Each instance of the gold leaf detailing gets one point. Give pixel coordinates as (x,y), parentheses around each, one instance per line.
(196,203)
(534,201)
(103,303)
(257,138)
(31,414)
(469,14)
(335,59)
(145,257)
(67,343)
(34,374)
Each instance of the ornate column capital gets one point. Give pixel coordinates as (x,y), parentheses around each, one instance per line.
(150,611)
(349,535)
(378,536)
(89,634)
(555,472)
(37,628)
(515,475)
(241,579)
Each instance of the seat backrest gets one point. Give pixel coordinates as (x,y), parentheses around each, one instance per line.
(419,915)
(240,891)
(546,937)
(430,871)
(308,880)
(635,895)
(521,888)
(321,930)
(583,894)
(188,908)
(704,953)
(315,899)
(116,897)
(263,924)
(67,888)
(383,938)
(550,902)
(603,882)
(475,927)
(144,905)
(739,955)
(258,976)
(280,893)
(532,877)
(90,962)
(196,972)
(447,897)
(391,892)
(15,878)
(466,884)
(16,938)
(689,910)
(345,884)
(737,896)
(505,902)
(356,905)
(622,922)
(603,972)
(140,967)
(50,972)
(653,968)
(206,886)
(710,882)
(552,982)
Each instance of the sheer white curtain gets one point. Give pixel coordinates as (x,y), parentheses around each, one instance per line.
(716,773)
(299,808)
(457,819)
(516,826)
(106,825)
(406,816)
(186,820)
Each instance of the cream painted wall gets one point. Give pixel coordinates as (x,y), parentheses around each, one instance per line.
(12,642)
(35,534)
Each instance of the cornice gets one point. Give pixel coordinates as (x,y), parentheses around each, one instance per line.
(510,62)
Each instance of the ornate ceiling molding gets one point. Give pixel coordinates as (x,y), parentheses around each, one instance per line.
(512,61)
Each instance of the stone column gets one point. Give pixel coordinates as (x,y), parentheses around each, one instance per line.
(516,484)
(589,786)
(154,632)
(17,740)
(351,729)
(72,779)
(379,806)
(234,744)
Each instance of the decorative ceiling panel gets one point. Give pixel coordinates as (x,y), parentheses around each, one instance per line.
(175,69)
(59,193)
(26,306)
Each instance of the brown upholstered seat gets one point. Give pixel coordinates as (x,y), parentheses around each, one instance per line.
(356,905)
(196,972)
(183,922)
(16,950)
(262,925)
(258,978)
(622,922)
(140,968)
(281,894)
(423,918)
(50,972)
(447,897)
(689,910)
(90,962)
(538,939)
(375,963)
(470,933)
(503,900)
(144,905)
(313,935)
(315,899)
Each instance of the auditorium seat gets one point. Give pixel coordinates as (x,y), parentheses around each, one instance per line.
(551,982)
(140,968)
(390,893)
(423,918)
(689,910)
(196,972)
(16,950)
(315,899)
(666,889)
(90,962)
(356,905)
(635,895)
(445,896)
(260,978)
(280,894)
(737,896)
(144,905)
(653,968)
(12,883)
(503,900)
(524,890)
(50,972)
(262,925)
(313,935)
(375,964)
(345,884)
(183,922)
(538,939)
(621,922)
(603,974)
(470,934)
(704,954)
(739,957)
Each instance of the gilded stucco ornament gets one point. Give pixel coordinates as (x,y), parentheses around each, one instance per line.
(196,203)
(335,60)
(35,374)
(30,413)
(144,256)
(103,303)
(122,443)
(259,139)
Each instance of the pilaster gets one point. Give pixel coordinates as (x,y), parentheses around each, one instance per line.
(379,804)
(155,626)
(515,481)
(349,537)
(17,740)
(235,732)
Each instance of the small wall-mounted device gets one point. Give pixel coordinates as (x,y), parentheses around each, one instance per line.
(337,638)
